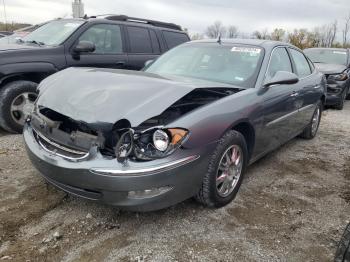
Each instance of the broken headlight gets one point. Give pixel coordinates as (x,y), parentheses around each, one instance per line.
(158,143)
(338,77)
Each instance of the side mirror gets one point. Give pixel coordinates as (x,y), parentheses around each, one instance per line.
(282,78)
(148,63)
(85,47)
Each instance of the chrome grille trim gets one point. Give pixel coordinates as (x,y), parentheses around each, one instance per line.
(80,154)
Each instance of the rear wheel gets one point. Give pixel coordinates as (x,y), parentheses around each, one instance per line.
(311,130)
(16,102)
(225,171)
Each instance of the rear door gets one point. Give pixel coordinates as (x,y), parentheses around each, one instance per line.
(110,47)
(143,45)
(279,105)
(307,95)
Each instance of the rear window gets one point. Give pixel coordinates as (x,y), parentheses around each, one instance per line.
(173,39)
(140,40)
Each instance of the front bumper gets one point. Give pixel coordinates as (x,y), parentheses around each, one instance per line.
(335,92)
(101,179)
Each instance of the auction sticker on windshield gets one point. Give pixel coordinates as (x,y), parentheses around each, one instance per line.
(250,50)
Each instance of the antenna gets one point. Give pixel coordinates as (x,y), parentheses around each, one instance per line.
(3,2)
(219,39)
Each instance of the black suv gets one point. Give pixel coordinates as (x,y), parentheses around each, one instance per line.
(109,41)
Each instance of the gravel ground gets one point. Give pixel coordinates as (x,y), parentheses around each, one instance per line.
(293,206)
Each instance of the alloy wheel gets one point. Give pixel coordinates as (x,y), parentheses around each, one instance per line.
(22,106)
(315,121)
(229,170)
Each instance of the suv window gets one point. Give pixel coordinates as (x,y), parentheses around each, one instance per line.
(301,64)
(106,37)
(140,40)
(279,62)
(173,39)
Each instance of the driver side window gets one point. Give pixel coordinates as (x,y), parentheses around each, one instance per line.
(280,61)
(106,37)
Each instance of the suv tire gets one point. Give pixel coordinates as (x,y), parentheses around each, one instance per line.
(18,95)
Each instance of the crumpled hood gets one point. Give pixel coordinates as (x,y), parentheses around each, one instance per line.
(330,69)
(94,95)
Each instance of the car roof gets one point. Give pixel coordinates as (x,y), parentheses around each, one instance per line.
(267,44)
(328,48)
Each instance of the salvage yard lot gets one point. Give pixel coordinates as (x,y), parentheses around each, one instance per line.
(293,205)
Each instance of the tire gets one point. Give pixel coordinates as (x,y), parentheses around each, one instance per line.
(20,94)
(343,251)
(311,130)
(340,106)
(209,194)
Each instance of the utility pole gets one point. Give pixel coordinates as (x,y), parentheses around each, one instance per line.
(3,2)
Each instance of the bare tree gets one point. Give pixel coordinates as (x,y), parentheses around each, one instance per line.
(330,34)
(278,34)
(298,38)
(196,36)
(264,34)
(346,30)
(216,29)
(232,31)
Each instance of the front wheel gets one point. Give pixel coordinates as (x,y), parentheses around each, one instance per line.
(225,171)
(16,102)
(340,105)
(311,130)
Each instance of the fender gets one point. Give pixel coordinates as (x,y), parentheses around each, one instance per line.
(17,69)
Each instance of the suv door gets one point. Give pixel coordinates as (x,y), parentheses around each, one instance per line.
(306,97)
(278,103)
(109,52)
(143,46)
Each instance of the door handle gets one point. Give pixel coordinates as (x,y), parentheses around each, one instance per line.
(294,94)
(120,63)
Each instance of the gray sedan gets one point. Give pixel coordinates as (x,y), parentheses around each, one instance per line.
(188,125)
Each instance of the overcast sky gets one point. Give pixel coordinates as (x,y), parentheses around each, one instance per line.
(247,15)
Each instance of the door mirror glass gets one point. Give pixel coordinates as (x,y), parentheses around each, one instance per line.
(282,78)
(85,47)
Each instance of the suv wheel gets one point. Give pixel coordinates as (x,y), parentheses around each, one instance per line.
(225,171)
(16,102)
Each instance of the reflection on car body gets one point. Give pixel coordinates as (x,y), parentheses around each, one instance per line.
(188,125)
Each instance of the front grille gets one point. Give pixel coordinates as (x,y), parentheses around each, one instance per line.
(57,149)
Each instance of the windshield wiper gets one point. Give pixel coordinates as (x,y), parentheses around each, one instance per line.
(35,42)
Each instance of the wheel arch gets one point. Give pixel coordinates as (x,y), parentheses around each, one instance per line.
(248,132)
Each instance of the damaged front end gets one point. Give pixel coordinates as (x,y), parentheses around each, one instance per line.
(154,138)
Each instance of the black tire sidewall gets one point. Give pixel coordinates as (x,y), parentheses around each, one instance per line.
(229,139)
(7,94)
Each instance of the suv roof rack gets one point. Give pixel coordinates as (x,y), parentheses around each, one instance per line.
(141,20)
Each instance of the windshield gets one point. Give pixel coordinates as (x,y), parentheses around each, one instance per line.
(237,65)
(327,56)
(53,33)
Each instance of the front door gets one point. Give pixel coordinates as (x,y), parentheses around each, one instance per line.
(109,51)
(279,104)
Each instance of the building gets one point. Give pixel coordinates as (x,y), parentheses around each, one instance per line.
(78,8)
